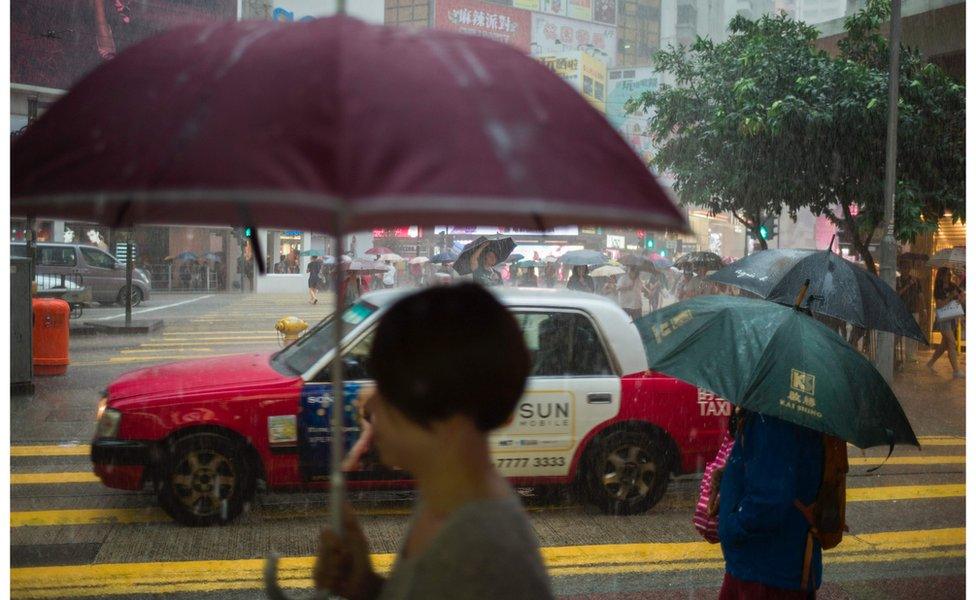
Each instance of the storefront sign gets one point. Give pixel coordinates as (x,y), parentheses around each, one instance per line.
(397,232)
(494,230)
(501,23)
(527,4)
(616,241)
(555,35)
(624,85)
(580,70)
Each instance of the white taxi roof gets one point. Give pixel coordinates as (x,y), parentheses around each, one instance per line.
(615,325)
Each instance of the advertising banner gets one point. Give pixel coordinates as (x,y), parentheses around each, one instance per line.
(555,7)
(585,73)
(508,25)
(315,427)
(527,4)
(624,85)
(554,35)
(495,230)
(605,11)
(53,44)
(581,9)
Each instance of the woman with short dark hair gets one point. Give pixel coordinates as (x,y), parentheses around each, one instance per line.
(450,365)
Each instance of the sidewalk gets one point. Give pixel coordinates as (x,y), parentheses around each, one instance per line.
(935,403)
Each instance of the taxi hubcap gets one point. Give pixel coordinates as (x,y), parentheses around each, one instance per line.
(203,481)
(628,473)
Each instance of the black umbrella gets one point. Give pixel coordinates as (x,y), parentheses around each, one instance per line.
(700,260)
(640,262)
(838,288)
(501,246)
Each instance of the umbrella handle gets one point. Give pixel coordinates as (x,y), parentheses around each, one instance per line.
(274,591)
(803,292)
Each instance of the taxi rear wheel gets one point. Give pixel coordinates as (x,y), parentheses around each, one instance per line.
(203,480)
(627,472)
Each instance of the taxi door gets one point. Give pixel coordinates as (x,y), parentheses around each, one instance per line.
(572,388)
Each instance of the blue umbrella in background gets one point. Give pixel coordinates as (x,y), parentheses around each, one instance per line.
(583,258)
(212,257)
(515,258)
(444,257)
(186,256)
(313,252)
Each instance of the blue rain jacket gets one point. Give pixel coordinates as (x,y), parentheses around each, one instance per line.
(763,535)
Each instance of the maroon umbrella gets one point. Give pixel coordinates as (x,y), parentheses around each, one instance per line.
(285,124)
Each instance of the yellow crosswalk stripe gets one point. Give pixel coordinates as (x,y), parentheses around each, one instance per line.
(216,575)
(908,460)
(52,478)
(51,450)
(60,517)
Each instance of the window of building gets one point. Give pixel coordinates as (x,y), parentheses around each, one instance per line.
(408,13)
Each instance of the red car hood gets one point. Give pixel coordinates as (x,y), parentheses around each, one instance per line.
(224,372)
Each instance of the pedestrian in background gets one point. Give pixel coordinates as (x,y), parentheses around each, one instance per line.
(763,534)
(314,270)
(529,278)
(483,270)
(947,291)
(629,293)
(469,536)
(550,275)
(580,280)
(910,292)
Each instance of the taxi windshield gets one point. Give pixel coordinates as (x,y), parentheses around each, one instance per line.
(299,357)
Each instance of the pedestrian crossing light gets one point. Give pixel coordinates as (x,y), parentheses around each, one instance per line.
(769,227)
(764,232)
(248,232)
(649,243)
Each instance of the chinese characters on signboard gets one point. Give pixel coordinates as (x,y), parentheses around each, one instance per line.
(501,23)
(585,73)
(551,35)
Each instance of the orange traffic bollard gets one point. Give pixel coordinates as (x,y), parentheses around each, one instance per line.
(50,336)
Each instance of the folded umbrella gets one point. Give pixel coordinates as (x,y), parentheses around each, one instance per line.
(837,288)
(501,246)
(777,361)
(583,258)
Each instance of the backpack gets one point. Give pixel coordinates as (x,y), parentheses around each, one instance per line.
(826,515)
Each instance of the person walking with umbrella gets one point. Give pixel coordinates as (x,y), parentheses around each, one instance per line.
(314,270)
(946,291)
(469,537)
(580,280)
(483,267)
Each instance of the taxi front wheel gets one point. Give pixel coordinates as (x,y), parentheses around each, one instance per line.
(627,472)
(203,480)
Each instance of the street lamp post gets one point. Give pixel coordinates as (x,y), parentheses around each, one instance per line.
(886,340)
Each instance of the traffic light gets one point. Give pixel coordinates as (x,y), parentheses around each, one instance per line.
(640,237)
(769,228)
(649,243)
(248,232)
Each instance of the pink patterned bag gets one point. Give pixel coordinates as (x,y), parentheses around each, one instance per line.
(707,525)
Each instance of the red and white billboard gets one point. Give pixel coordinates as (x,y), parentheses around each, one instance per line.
(504,24)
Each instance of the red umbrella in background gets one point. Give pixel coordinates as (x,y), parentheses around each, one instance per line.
(378,250)
(376,124)
(363,126)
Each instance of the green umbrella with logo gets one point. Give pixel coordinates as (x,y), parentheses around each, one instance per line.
(775,360)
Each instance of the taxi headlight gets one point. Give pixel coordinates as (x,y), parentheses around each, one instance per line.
(108,423)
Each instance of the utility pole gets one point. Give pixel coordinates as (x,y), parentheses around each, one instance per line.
(886,340)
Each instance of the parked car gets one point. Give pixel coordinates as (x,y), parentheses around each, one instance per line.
(90,267)
(593,416)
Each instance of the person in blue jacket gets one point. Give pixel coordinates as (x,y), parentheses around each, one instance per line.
(763,534)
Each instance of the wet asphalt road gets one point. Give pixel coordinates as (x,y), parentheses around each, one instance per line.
(71,537)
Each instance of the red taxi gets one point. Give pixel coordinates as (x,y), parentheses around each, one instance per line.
(206,432)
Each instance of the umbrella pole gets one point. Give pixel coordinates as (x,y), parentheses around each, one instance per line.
(336,479)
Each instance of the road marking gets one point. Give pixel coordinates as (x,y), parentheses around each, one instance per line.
(211,332)
(53,478)
(155,308)
(51,450)
(273,335)
(49,518)
(180,348)
(874,461)
(295,572)
(905,492)
(121,360)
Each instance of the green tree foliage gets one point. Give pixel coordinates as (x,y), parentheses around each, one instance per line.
(765,121)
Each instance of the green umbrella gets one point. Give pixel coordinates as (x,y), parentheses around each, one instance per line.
(313,252)
(777,361)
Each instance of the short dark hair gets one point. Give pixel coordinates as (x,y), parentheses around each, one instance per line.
(451,350)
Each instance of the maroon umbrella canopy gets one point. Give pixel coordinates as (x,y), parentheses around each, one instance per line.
(287,124)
